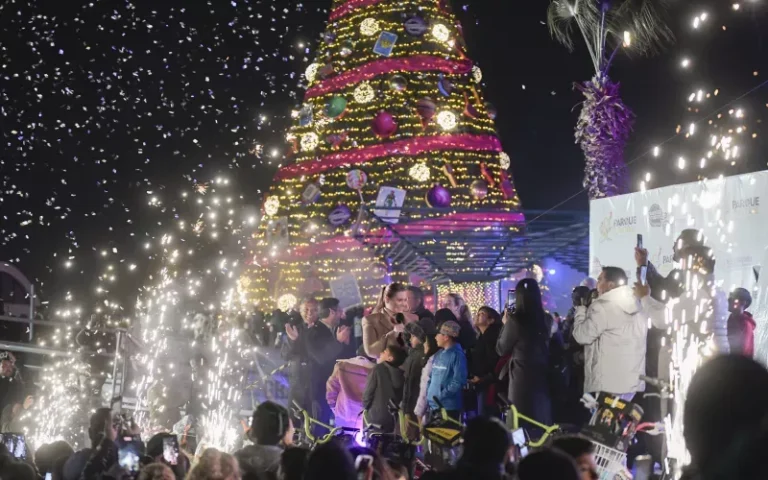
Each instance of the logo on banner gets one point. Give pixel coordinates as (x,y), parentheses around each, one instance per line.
(657,217)
(751,204)
(611,226)
(662,262)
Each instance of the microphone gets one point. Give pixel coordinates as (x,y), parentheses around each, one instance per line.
(400,318)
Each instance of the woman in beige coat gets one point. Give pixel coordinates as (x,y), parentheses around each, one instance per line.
(380,329)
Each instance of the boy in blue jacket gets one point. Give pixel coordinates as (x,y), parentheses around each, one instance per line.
(449,372)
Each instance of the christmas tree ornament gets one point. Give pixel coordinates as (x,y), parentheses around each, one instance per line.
(326,70)
(378,270)
(507,190)
(487,174)
(469,108)
(441,33)
(447,120)
(397,83)
(329,37)
(356,179)
(369,27)
(271,205)
(309,142)
(286,301)
(504,161)
(385,44)
(448,172)
(416,26)
(426,108)
(311,72)
(335,140)
(311,194)
(364,93)
(336,106)
(419,172)
(384,124)
(492,112)
(438,197)
(444,86)
(339,215)
(347,47)
(305,115)
(477,74)
(479,189)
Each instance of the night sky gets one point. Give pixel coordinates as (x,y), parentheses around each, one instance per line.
(107,104)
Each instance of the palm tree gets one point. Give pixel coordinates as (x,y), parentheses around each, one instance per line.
(605,123)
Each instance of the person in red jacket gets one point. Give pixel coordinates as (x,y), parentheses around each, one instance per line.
(741,325)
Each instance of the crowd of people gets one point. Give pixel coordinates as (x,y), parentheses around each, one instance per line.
(349,368)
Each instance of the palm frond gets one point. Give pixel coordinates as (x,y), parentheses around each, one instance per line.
(646,22)
(566,17)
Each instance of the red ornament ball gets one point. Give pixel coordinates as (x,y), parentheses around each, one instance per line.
(384,124)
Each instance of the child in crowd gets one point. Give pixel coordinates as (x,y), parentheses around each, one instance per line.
(449,372)
(385,383)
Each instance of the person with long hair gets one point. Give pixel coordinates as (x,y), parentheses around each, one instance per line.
(484,360)
(525,336)
(430,349)
(456,304)
(215,465)
(382,327)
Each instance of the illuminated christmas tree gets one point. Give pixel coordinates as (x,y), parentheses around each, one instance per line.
(392,117)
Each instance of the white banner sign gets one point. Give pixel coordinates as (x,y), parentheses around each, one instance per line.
(732,212)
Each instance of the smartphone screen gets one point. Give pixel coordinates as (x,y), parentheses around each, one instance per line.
(129,454)
(171,450)
(48,476)
(639,240)
(511,298)
(16,444)
(643,274)
(518,437)
(643,467)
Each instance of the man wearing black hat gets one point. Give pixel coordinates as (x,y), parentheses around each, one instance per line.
(741,325)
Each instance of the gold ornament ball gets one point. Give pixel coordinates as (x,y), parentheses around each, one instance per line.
(441,32)
(419,172)
(447,120)
(271,205)
(504,161)
(364,93)
(369,27)
(309,142)
(311,72)
(286,301)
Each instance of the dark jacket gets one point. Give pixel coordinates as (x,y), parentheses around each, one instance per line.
(299,373)
(466,471)
(413,366)
(11,391)
(741,333)
(467,336)
(101,460)
(528,367)
(322,351)
(259,461)
(423,313)
(385,383)
(482,362)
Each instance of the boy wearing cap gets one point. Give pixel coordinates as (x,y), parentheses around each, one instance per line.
(449,372)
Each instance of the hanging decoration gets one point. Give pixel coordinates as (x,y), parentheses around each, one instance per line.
(384,124)
(378,270)
(426,107)
(507,190)
(479,189)
(309,142)
(448,171)
(385,44)
(326,70)
(339,215)
(347,47)
(311,194)
(419,172)
(444,86)
(369,27)
(447,120)
(311,72)
(487,174)
(469,108)
(336,106)
(329,37)
(335,140)
(271,205)
(491,110)
(356,179)
(305,115)
(441,33)
(364,93)
(477,74)
(504,161)
(416,26)
(397,83)
(438,197)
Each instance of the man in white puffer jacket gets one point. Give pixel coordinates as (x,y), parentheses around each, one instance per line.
(613,331)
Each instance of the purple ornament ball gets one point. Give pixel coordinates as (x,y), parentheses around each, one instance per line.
(384,124)
(438,197)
